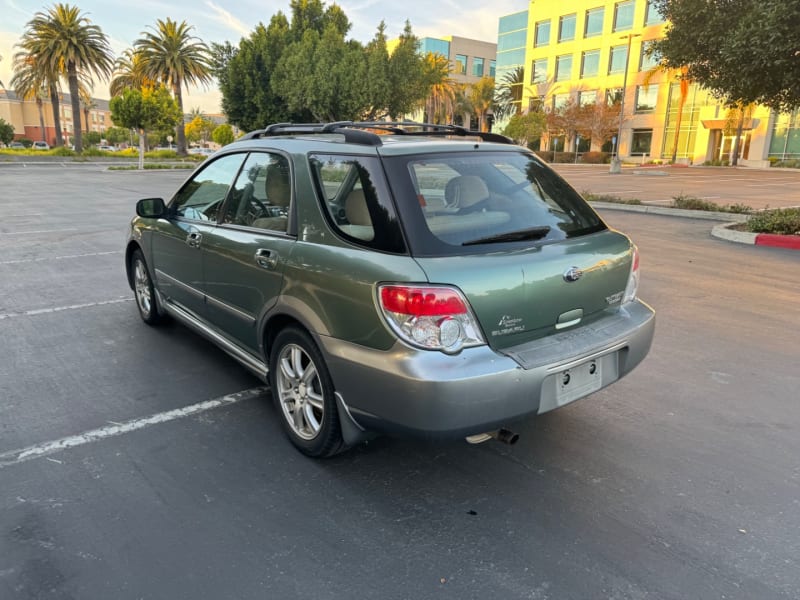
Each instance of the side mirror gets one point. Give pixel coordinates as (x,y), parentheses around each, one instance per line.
(151,208)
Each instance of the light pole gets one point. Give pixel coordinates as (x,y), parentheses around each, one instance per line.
(577,145)
(616,163)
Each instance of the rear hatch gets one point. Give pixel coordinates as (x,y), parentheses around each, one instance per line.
(518,296)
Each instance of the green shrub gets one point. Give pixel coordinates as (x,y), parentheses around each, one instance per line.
(596,158)
(28,142)
(62,151)
(783,221)
(609,198)
(692,203)
(91,151)
(786,164)
(161,154)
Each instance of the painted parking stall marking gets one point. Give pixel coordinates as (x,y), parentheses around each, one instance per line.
(46,449)
(45,311)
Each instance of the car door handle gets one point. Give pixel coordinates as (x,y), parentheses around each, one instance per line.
(266,259)
(194,239)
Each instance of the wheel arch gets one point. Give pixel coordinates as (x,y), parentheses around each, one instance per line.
(132,247)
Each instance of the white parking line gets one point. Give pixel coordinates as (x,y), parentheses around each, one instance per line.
(40,231)
(49,258)
(44,311)
(15,457)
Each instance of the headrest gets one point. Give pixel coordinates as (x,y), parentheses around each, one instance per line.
(355,208)
(465,190)
(278,189)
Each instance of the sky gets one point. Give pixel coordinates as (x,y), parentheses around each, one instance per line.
(221,20)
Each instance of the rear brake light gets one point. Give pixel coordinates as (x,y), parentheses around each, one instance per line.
(430,317)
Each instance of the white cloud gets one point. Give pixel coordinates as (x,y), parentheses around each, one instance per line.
(227,19)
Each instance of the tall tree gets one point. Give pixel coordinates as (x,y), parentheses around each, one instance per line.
(440,102)
(170,54)
(129,73)
(30,82)
(65,39)
(151,108)
(406,75)
(508,95)
(377,79)
(482,97)
(744,51)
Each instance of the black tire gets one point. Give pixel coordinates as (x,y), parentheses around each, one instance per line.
(143,291)
(303,393)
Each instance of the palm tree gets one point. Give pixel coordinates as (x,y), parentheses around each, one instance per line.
(171,55)
(482,97)
(129,73)
(64,41)
(440,103)
(508,95)
(31,83)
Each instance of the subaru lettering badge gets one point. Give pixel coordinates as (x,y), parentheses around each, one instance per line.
(572,274)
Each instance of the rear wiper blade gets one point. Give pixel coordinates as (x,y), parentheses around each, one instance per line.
(533,233)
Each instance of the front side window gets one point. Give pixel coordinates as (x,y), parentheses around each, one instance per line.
(357,202)
(564,67)
(594,22)
(566,28)
(542,37)
(201,198)
(479,200)
(617,60)
(461,64)
(262,194)
(623,15)
(590,63)
(646,96)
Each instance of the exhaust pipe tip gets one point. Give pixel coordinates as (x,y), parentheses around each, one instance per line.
(505,436)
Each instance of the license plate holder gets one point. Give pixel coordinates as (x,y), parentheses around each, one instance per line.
(578,381)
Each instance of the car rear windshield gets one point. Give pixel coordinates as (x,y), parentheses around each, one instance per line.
(468,202)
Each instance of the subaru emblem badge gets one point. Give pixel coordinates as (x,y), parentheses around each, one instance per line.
(572,274)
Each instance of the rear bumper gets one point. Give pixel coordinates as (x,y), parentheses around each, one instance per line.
(433,394)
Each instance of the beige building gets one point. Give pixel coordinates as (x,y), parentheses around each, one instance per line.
(25,117)
(590,50)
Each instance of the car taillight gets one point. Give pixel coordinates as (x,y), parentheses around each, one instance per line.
(633,279)
(430,317)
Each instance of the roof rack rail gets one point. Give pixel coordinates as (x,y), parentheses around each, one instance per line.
(355,131)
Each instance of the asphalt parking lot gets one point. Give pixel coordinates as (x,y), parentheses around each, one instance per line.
(144,463)
(756,188)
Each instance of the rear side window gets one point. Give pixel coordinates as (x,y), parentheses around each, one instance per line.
(466,200)
(357,202)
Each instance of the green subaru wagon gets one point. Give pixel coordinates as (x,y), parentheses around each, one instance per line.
(394,278)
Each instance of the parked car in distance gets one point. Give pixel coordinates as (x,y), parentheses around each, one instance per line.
(107,148)
(394,277)
(16,146)
(203,151)
(40,145)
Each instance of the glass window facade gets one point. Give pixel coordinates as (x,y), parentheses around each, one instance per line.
(539,71)
(785,143)
(646,98)
(513,22)
(566,28)
(648,59)
(613,96)
(564,67)
(590,63)
(461,64)
(435,46)
(542,34)
(514,39)
(477,67)
(594,22)
(651,14)
(641,141)
(585,98)
(623,15)
(617,59)
(560,100)
(492,68)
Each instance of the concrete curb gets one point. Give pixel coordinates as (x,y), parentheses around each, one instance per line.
(722,231)
(672,212)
